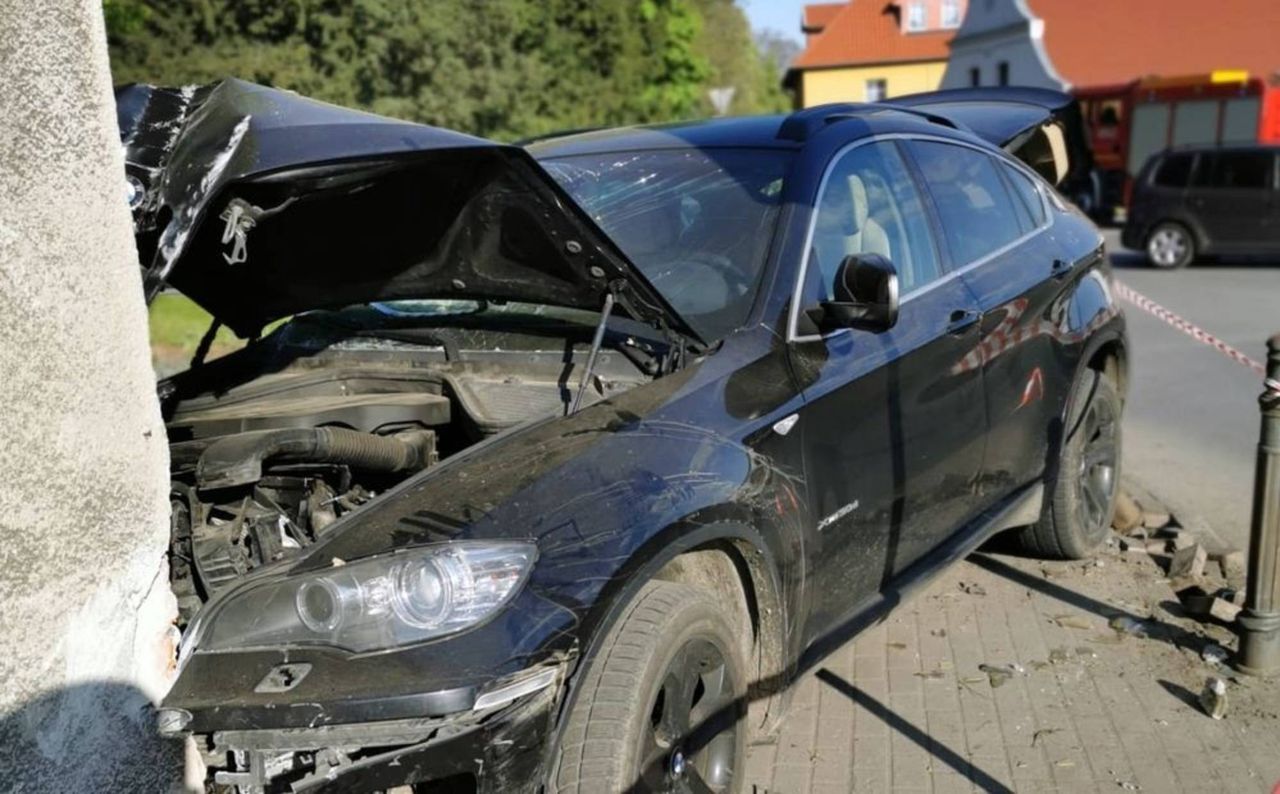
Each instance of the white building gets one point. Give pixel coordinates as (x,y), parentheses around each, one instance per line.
(1075,44)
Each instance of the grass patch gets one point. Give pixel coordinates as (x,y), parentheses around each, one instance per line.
(177,324)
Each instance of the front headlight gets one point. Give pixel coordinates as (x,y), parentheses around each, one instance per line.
(378,603)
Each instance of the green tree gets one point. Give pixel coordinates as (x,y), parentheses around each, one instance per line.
(496,68)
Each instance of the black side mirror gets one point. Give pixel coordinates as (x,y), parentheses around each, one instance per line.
(866,295)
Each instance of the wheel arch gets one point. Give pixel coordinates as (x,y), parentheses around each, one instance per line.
(727,554)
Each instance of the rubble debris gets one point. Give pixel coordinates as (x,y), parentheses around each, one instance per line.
(1058,655)
(1035,737)
(1128,515)
(997,675)
(1155,519)
(1188,562)
(1072,622)
(1232,564)
(1085,652)
(1134,544)
(1213,699)
(973,588)
(1200,603)
(1158,546)
(937,632)
(1214,654)
(1124,624)
(929,674)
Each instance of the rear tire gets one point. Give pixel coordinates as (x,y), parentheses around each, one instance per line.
(1170,246)
(663,706)
(1081,493)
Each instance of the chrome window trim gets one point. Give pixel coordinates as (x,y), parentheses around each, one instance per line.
(793,314)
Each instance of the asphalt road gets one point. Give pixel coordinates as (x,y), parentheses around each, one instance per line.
(1191,422)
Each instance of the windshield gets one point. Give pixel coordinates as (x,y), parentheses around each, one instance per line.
(696,222)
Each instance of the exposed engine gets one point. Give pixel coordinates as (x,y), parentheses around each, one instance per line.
(264,464)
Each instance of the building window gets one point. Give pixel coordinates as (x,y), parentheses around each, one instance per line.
(875,90)
(975,77)
(915,16)
(951,13)
(1002,71)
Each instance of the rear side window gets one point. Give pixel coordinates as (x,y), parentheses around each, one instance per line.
(1026,197)
(1174,171)
(978,214)
(1235,170)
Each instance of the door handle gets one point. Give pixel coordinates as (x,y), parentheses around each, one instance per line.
(1061,269)
(962,320)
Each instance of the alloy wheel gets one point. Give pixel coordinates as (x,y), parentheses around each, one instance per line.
(690,741)
(1097,483)
(1167,246)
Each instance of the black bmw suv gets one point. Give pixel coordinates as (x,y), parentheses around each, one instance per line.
(1205,201)
(573,455)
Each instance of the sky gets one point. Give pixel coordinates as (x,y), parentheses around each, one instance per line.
(780,15)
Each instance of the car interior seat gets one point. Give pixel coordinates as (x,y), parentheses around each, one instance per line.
(868,236)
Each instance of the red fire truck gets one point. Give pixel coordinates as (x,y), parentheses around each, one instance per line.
(1128,123)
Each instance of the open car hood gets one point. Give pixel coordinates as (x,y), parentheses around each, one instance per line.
(1040,126)
(259,203)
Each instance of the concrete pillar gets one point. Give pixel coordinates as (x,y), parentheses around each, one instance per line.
(85,609)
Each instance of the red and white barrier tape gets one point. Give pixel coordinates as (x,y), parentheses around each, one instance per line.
(1190,329)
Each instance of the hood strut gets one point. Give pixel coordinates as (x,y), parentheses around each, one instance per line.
(605,311)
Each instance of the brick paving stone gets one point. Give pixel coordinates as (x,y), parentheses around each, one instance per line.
(905,708)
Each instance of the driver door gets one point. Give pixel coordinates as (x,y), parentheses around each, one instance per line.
(893,423)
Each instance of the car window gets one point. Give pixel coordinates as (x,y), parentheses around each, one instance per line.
(1237,170)
(1026,195)
(1174,170)
(696,222)
(977,212)
(870,204)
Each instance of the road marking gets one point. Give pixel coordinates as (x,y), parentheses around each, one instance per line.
(1125,293)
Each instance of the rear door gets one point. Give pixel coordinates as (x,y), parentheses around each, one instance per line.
(993,216)
(893,432)
(1233,198)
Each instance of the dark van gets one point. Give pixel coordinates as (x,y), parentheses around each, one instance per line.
(1205,201)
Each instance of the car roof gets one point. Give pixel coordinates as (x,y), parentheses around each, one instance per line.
(778,131)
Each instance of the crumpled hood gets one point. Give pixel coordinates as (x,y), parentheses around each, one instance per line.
(259,203)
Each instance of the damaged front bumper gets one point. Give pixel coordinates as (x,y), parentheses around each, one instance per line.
(500,744)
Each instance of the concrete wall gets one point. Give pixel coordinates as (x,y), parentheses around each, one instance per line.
(848,84)
(1000,31)
(85,645)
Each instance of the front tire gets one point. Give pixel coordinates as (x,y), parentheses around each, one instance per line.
(663,706)
(1082,491)
(1170,246)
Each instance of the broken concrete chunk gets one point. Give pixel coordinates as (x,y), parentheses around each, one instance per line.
(1127,625)
(1155,519)
(1213,699)
(997,675)
(1182,540)
(1133,545)
(1128,515)
(1214,654)
(1232,564)
(1188,562)
(1224,610)
(1157,545)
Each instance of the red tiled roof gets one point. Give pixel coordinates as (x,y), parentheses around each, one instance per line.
(817,17)
(1106,42)
(865,32)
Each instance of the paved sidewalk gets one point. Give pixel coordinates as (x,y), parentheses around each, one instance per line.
(905,708)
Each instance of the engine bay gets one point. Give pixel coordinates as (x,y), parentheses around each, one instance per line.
(271,446)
